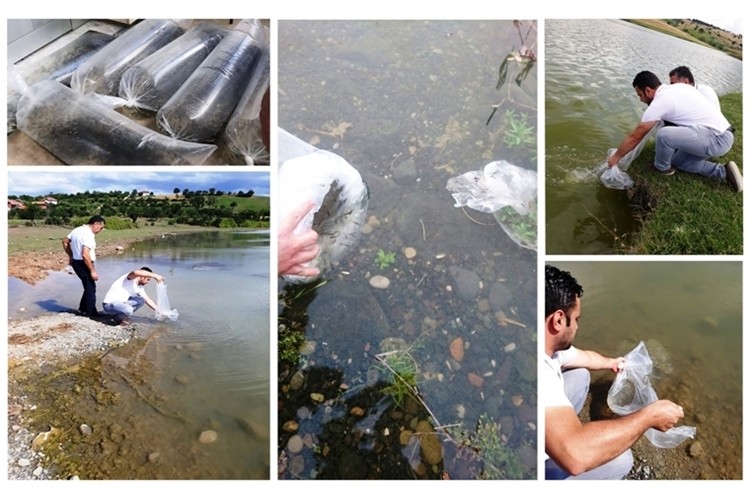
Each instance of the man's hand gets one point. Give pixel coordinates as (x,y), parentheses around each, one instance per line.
(616,364)
(297,250)
(664,414)
(159,278)
(94,276)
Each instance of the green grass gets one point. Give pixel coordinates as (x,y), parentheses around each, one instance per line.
(253,203)
(693,215)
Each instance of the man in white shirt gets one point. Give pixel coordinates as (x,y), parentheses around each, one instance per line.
(701,131)
(598,449)
(80,245)
(682,74)
(127,295)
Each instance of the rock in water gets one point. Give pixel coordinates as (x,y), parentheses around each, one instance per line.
(208,437)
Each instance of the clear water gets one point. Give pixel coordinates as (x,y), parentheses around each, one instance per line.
(379,94)
(207,370)
(590,106)
(689,314)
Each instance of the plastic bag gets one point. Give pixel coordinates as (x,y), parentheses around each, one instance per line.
(632,391)
(64,62)
(151,82)
(101,73)
(243,133)
(204,103)
(340,196)
(83,131)
(508,192)
(614,178)
(163,309)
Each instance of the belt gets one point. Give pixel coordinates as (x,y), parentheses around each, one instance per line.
(730,129)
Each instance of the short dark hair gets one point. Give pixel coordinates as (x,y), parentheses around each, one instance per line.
(144,268)
(560,291)
(96,218)
(646,79)
(683,72)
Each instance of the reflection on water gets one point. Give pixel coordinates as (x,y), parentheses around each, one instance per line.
(690,316)
(406,104)
(209,370)
(590,106)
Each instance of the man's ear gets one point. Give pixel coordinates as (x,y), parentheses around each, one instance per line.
(557,321)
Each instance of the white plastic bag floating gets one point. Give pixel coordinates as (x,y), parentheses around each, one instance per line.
(632,391)
(163,309)
(504,190)
(340,195)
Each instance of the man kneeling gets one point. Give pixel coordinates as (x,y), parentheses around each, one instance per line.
(127,295)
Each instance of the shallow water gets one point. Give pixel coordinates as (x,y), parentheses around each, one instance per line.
(690,316)
(207,370)
(381,95)
(590,106)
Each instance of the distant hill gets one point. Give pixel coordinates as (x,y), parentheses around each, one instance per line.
(698,32)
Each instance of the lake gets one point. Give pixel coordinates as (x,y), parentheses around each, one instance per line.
(590,106)
(406,381)
(207,370)
(690,316)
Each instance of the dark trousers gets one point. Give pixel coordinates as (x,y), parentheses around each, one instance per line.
(87,305)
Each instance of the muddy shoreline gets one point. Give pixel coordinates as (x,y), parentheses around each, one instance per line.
(51,343)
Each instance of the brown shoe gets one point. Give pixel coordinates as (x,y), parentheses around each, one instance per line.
(734,177)
(667,172)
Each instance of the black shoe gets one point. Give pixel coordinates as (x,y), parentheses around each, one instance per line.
(734,177)
(669,171)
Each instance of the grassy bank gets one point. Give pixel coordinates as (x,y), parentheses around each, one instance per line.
(45,238)
(690,214)
(702,34)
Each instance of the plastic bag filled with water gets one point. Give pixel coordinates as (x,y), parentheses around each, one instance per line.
(614,178)
(340,195)
(506,191)
(632,391)
(163,309)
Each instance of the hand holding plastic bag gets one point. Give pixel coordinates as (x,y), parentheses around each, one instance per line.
(632,391)
(163,309)
(614,178)
(504,190)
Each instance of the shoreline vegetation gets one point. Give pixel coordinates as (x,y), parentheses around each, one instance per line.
(687,214)
(696,32)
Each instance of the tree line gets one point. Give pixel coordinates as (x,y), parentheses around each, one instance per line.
(209,207)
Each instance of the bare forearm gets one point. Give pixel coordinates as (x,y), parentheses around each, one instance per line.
(591,360)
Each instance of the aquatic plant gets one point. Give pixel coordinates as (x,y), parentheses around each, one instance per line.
(499,461)
(517,131)
(289,343)
(385,259)
(522,227)
(521,60)
(401,370)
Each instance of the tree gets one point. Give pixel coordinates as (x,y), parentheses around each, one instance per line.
(176,191)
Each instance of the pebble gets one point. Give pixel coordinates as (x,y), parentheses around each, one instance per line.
(298,379)
(366,229)
(183,379)
(208,437)
(153,457)
(457,349)
(290,426)
(517,400)
(467,282)
(410,252)
(308,347)
(38,472)
(475,380)
(357,411)
(317,397)
(695,449)
(296,465)
(24,462)
(295,444)
(85,429)
(510,347)
(380,282)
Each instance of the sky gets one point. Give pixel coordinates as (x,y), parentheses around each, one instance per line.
(41,183)
(733,25)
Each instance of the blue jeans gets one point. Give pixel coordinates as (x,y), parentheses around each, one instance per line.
(87,305)
(687,148)
(576,389)
(125,309)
